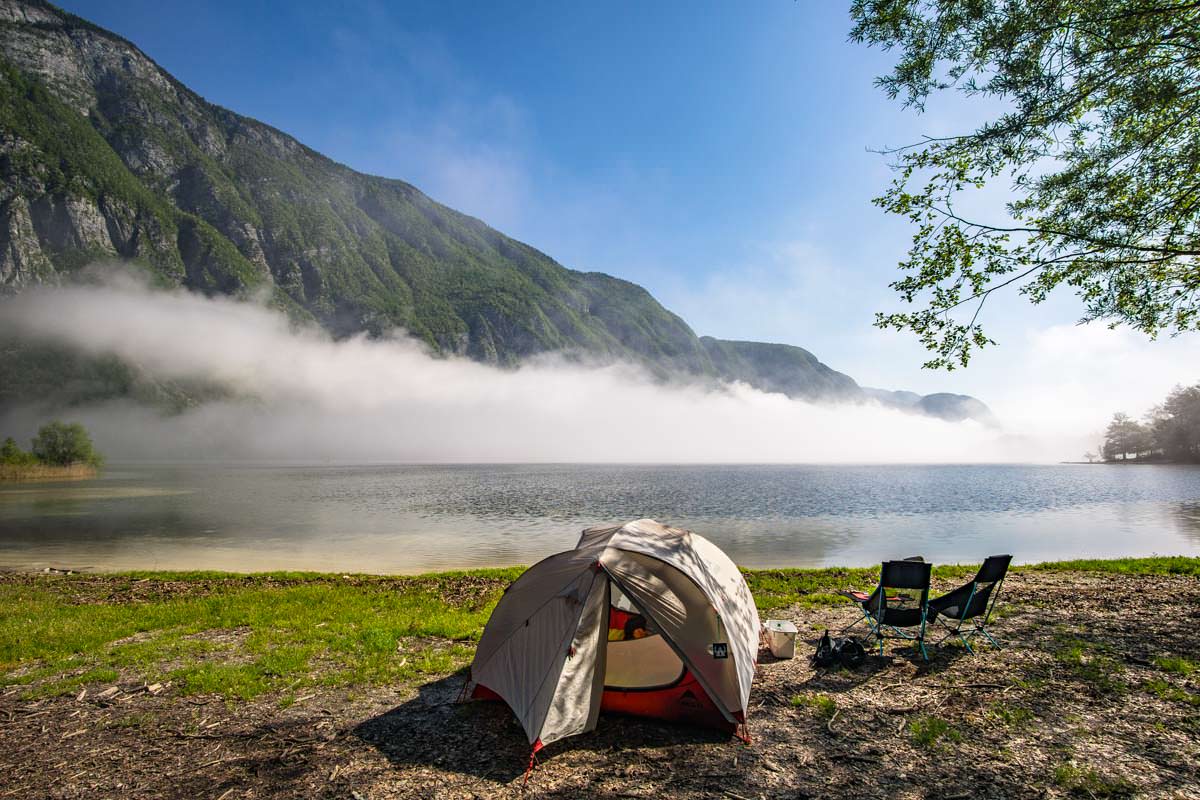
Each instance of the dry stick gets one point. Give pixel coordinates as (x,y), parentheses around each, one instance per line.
(32,714)
(216,761)
(851,757)
(183,735)
(938,704)
(829,724)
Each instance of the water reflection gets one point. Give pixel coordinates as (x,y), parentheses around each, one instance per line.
(410,518)
(1188,517)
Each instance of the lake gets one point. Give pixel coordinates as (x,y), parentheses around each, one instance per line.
(400,519)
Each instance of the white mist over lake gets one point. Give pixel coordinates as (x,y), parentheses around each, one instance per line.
(302,396)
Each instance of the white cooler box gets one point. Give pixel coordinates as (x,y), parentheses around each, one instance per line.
(781,637)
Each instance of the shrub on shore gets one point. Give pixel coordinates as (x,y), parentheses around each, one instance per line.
(62,444)
(12,455)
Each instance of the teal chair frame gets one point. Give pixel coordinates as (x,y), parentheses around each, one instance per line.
(886,622)
(980,594)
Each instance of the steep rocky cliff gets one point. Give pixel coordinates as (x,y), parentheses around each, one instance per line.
(106,157)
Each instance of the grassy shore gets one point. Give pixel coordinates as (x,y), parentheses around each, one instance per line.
(46,472)
(240,636)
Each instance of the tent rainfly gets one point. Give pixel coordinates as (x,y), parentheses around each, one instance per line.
(639,619)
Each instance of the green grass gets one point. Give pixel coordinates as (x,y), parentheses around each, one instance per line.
(1177,665)
(822,705)
(1157,565)
(241,636)
(1088,662)
(1169,691)
(779,588)
(931,731)
(1010,715)
(1087,782)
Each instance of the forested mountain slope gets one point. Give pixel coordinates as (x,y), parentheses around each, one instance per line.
(104,157)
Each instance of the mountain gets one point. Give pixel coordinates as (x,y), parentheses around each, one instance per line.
(944,405)
(105,156)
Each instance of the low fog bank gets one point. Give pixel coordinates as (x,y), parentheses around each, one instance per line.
(309,398)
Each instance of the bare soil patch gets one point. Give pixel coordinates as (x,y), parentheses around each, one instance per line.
(1078,704)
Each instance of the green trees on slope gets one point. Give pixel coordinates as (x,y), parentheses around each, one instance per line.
(1170,431)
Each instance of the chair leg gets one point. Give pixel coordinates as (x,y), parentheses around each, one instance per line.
(919,641)
(981,631)
(955,631)
(856,623)
(991,639)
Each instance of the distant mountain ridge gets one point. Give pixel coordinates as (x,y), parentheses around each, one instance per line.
(104,155)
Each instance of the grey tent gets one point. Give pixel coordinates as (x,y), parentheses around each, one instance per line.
(556,650)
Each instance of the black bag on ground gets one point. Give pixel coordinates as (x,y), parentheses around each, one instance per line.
(825,655)
(851,653)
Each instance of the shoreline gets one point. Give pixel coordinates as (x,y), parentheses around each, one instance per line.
(1154,564)
(1133,462)
(170,684)
(33,473)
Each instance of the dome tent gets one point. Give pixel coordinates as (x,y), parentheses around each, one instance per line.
(640,618)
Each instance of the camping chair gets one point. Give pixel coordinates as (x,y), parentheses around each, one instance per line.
(885,614)
(972,601)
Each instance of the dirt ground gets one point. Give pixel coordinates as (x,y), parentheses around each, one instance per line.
(1077,704)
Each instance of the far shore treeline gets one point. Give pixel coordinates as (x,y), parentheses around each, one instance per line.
(1169,432)
(59,449)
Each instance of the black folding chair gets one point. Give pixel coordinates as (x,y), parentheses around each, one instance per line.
(972,601)
(885,615)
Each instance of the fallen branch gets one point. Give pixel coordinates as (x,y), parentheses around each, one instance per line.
(852,757)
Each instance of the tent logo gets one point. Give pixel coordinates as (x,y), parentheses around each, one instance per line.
(720,650)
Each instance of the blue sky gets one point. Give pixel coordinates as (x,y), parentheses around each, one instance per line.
(719,154)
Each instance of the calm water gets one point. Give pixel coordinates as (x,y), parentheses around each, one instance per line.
(417,518)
